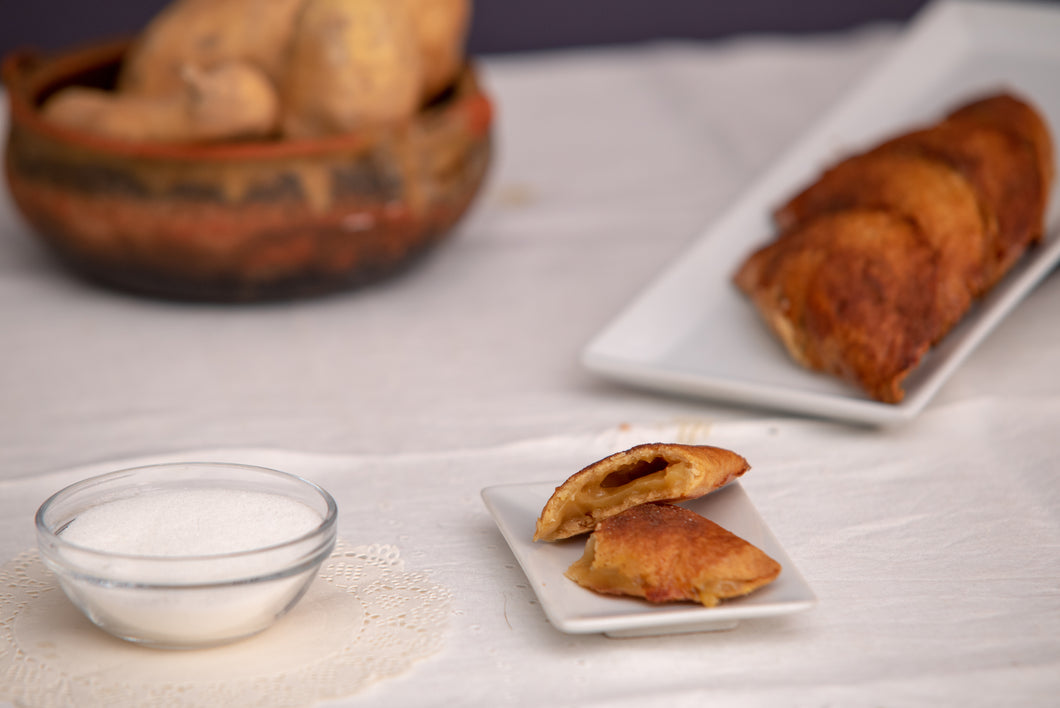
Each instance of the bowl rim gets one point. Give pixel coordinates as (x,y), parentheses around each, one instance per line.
(28,72)
(325,530)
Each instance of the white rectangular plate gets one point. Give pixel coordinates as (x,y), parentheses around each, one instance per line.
(573,609)
(692,333)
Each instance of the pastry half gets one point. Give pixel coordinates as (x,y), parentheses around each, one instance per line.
(666,553)
(645,473)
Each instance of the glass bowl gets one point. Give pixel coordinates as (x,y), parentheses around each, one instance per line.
(186,555)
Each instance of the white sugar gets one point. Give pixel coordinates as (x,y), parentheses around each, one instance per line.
(191,522)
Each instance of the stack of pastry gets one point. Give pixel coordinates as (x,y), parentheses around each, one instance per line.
(879,258)
(644,546)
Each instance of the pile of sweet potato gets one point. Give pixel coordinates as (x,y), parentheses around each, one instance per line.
(209,70)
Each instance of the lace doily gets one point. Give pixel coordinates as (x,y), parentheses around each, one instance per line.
(363,620)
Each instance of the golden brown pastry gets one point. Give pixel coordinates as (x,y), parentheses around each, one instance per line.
(645,473)
(666,553)
(851,294)
(944,211)
(929,193)
(1002,147)
(1017,117)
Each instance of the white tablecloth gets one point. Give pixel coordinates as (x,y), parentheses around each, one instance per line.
(933,547)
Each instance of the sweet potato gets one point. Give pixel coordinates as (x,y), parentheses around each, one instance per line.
(230,100)
(441,32)
(202,33)
(352,64)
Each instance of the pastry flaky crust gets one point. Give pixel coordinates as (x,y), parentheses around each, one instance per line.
(944,210)
(645,473)
(666,553)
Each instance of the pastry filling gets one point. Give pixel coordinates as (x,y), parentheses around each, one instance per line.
(641,480)
(709,593)
(606,580)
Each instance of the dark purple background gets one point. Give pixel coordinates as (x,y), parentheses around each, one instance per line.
(499,25)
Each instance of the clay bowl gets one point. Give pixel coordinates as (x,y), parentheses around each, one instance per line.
(238,221)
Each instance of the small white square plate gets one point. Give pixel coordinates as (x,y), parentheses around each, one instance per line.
(575,610)
(693,334)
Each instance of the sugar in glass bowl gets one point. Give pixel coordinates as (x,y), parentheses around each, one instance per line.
(187,555)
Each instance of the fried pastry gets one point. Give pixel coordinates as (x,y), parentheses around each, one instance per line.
(666,553)
(645,473)
(929,193)
(1004,174)
(1012,115)
(852,293)
(879,258)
